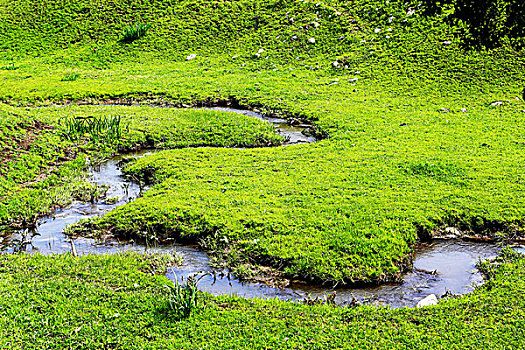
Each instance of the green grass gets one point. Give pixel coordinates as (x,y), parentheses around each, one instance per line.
(412,145)
(134,32)
(94,302)
(346,209)
(42,163)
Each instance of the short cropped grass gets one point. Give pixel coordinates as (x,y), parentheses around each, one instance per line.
(421,132)
(45,149)
(93,302)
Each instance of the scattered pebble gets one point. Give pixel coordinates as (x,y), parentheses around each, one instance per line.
(446,43)
(377,30)
(191,57)
(429,300)
(497,103)
(335,64)
(464,110)
(311,40)
(315,24)
(353,80)
(444,110)
(260,51)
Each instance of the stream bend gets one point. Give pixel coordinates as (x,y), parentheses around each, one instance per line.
(440,267)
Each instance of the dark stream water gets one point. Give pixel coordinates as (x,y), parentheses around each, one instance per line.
(453,261)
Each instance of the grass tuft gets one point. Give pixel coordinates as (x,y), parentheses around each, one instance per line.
(70,77)
(98,128)
(182,298)
(134,32)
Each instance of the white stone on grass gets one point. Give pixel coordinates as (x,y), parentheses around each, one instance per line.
(429,300)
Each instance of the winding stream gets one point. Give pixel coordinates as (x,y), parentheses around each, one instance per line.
(441,266)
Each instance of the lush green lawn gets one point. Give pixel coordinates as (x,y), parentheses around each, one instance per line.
(413,142)
(106,302)
(42,163)
(394,161)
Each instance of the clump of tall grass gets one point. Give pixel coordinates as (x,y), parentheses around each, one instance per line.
(134,32)
(70,77)
(182,298)
(108,128)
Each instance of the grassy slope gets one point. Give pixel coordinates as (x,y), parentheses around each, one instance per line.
(106,302)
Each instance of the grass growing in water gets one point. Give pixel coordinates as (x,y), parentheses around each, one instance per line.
(413,142)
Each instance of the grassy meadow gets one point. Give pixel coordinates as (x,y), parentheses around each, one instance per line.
(417,131)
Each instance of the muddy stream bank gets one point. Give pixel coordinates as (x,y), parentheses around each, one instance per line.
(439,267)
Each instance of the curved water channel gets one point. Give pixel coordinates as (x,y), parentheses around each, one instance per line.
(439,267)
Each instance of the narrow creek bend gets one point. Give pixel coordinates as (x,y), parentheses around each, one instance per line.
(447,265)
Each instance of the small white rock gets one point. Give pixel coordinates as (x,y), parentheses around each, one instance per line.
(335,64)
(446,43)
(315,24)
(191,57)
(429,300)
(311,40)
(377,30)
(257,55)
(260,51)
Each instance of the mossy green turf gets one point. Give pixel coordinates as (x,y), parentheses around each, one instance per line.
(400,155)
(42,168)
(102,302)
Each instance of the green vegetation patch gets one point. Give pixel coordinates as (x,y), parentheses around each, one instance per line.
(114,301)
(43,159)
